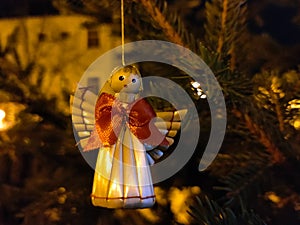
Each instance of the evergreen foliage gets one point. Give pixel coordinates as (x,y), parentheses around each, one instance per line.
(253,180)
(209,212)
(225,29)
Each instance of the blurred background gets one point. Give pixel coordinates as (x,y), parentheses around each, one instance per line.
(253,48)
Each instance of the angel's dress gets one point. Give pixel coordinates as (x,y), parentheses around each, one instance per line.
(122,176)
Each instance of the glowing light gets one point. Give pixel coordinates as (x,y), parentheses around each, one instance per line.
(273,197)
(179,200)
(197,87)
(294,104)
(195,84)
(297,124)
(2,116)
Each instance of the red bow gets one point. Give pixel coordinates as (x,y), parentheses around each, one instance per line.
(110,116)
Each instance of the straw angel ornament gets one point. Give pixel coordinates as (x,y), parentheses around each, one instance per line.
(121,125)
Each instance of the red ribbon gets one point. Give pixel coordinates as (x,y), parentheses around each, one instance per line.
(111,115)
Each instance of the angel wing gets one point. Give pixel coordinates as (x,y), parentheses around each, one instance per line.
(83,108)
(83,119)
(169,124)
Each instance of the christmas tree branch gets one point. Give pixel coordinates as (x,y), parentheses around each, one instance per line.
(261,135)
(248,181)
(223,27)
(277,109)
(174,36)
(207,211)
(162,21)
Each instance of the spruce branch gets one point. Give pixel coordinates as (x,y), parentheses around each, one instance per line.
(162,21)
(241,182)
(261,135)
(209,212)
(206,211)
(279,114)
(223,27)
(171,32)
(245,178)
(235,160)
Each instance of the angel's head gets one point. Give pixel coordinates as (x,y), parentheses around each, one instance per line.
(126,79)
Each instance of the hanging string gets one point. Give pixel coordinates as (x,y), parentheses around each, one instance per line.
(122,32)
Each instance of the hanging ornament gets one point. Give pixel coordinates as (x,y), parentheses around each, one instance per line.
(128,138)
(122,127)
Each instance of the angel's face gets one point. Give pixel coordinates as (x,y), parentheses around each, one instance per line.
(126,81)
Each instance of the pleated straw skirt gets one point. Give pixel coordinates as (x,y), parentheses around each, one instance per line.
(122,175)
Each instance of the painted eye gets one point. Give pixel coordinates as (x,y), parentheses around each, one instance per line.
(133,80)
(121,78)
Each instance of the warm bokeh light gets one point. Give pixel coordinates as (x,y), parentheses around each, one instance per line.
(195,84)
(295,104)
(272,196)
(180,199)
(297,124)
(2,116)
(197,88)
